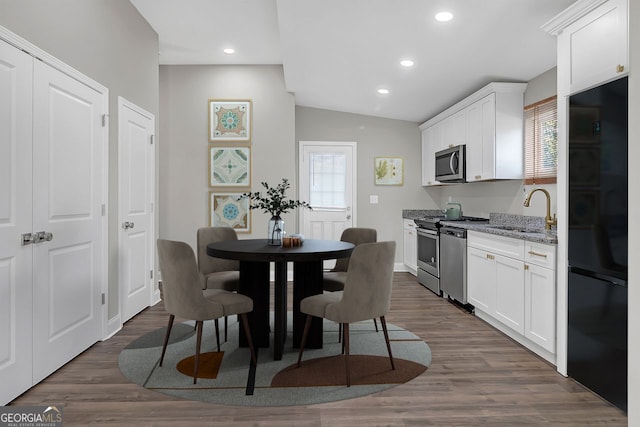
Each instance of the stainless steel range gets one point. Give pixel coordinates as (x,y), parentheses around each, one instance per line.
(429,251)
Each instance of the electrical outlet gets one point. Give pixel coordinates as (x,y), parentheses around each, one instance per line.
(373,199)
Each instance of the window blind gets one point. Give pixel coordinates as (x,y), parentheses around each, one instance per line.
(541,137)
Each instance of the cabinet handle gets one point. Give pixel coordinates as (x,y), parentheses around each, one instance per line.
(526,267)
(537,254)
(478,177)
(619,68)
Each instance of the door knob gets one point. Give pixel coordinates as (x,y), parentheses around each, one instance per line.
(128,225)
(348,216)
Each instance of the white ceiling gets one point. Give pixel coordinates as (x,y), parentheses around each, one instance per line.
(337,53)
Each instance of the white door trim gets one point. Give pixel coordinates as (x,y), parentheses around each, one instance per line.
(31,49)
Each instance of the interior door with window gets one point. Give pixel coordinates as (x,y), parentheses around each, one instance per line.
(327,182)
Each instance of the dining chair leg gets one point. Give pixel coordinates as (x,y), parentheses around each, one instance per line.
(305,335)
(386,338)
(346,351)
(198,342)
(247,332)
(339,332)
(226,318)
(217,334)
(375,323)
(166,337)
(342,348)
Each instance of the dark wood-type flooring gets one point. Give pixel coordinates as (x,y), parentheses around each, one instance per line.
(478,377)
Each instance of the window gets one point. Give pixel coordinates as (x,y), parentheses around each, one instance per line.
(541,141)
(328,180)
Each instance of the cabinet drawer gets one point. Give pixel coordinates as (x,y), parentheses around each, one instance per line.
(540,254)
(513,248)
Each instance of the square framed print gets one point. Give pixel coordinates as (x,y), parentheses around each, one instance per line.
(388,170)
(230,120)
(229,166)
(225,210)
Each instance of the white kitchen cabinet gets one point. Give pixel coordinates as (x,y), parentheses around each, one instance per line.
(481,131)
(490,124)
(510,292)
(511,283)
(454,130)
(540,312)
(481,279)
(410,246)
(432,141)
(594,47)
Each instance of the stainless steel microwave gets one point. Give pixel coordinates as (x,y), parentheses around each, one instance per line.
(450,164)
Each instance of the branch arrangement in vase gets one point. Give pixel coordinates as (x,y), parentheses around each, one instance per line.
(275,200)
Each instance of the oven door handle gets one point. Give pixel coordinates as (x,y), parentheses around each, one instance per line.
(427,233)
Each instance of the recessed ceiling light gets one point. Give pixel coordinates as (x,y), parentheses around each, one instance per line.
(407,63)
(444,16)
(229,51)
(383,91)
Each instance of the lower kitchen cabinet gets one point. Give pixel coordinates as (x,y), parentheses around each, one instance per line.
(410,246)
(512,285)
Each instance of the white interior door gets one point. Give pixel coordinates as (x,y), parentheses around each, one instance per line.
(327,182)
(136,171)
(16,70)
(67,203)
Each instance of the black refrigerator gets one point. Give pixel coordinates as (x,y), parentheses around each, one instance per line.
(597,245)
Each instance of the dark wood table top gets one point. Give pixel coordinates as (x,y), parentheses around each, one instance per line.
(259,251)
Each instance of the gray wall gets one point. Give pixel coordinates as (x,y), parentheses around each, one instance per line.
(109,42)
(184,94)
(375,137)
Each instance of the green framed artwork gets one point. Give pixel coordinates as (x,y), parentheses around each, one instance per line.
(230,120)
(229,166)
(225,210)
(388,171)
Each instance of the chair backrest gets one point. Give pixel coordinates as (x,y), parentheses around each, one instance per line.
(357,236)
(367,291)
(208,264)
(182,282)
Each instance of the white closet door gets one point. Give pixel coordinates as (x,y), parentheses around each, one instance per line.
(136,190)
(67,201)
(16,70)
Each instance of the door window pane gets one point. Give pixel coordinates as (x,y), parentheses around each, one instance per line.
(328,180)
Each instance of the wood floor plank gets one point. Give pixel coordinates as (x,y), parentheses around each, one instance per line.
(478,377)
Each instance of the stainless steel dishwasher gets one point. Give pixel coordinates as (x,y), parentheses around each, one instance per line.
(453,263)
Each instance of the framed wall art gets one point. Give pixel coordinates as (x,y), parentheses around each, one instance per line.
(388,170)
(230,120)
(229,166)
(225,210)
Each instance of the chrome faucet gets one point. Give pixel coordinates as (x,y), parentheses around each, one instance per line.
(548,221)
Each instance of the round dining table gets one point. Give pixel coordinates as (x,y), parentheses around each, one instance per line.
(255,257)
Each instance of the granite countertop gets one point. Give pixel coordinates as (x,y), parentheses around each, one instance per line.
(532,235)
(530,228)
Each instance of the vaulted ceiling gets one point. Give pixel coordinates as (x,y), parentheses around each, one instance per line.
(336,54)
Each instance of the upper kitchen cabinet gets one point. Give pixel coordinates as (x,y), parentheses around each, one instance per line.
(592,42)
(490,124)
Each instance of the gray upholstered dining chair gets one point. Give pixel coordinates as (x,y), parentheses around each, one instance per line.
(334,279)
(366,295)
(184,297)
(219,273)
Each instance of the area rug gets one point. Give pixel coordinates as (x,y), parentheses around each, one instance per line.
(226,377)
